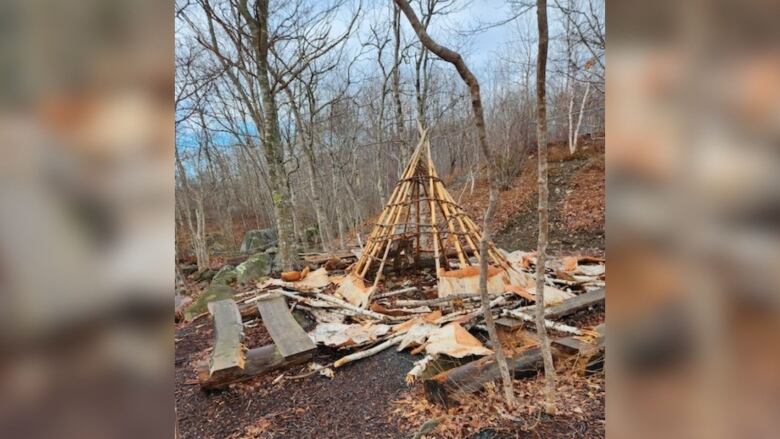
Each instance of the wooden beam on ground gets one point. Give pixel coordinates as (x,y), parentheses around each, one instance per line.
(321,258)
(259,361)
(572,346)
(589,356)
(287,334)
(509,323)
(473,376)
(570,306)
(228,332)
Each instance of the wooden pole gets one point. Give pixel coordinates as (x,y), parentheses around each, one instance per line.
(384,231)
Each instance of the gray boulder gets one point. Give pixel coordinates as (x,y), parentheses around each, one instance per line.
(254,268)
(225,276)
(258,240)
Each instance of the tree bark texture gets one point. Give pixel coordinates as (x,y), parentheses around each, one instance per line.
(541,135)
(272,142)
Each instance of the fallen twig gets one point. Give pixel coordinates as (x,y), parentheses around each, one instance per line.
(395,293)
(309,373)
(356,309)
(436,301)
(368,352)
(549,324)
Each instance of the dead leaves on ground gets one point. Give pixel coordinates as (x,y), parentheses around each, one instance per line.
(577,397)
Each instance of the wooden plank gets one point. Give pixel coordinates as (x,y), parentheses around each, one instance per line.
(591,353)
(572,346)
(228,332)
(575,304)
(259,361)
(285,331)
(509,323)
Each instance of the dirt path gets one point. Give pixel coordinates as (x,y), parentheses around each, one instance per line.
(356,403)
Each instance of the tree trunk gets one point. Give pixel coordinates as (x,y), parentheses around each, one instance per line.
(197,228)
(339,218)
(468,77)
(199,240)
(322,221)
(399,114)
(272,142)
(307,143)
(419,85)
(541,136)
(579,118)
(570,115)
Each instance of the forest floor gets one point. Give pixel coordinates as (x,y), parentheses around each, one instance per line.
(369,398)
(577,207)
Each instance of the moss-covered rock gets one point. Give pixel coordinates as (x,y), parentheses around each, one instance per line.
(254,268)
(213,293)
(225,276)
(258,240)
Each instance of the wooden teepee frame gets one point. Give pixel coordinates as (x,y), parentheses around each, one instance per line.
(420,210)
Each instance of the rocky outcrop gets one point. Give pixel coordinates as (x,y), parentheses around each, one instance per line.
(258,240)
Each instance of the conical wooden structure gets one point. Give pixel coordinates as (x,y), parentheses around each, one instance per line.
(421,217)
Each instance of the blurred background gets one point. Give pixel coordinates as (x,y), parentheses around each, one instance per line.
(86,219)
(693,203)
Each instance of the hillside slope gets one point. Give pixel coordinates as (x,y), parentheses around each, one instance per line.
(577,204)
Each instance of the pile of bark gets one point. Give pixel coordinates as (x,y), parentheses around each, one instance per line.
(406,317)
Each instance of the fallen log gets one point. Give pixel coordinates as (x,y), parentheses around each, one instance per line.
(589,356)
(258,361)
(473,376)
(575,304)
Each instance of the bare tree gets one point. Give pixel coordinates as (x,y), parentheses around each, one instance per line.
(471,81)
(338,143)
(400,131)
(541,136)
(260,64)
